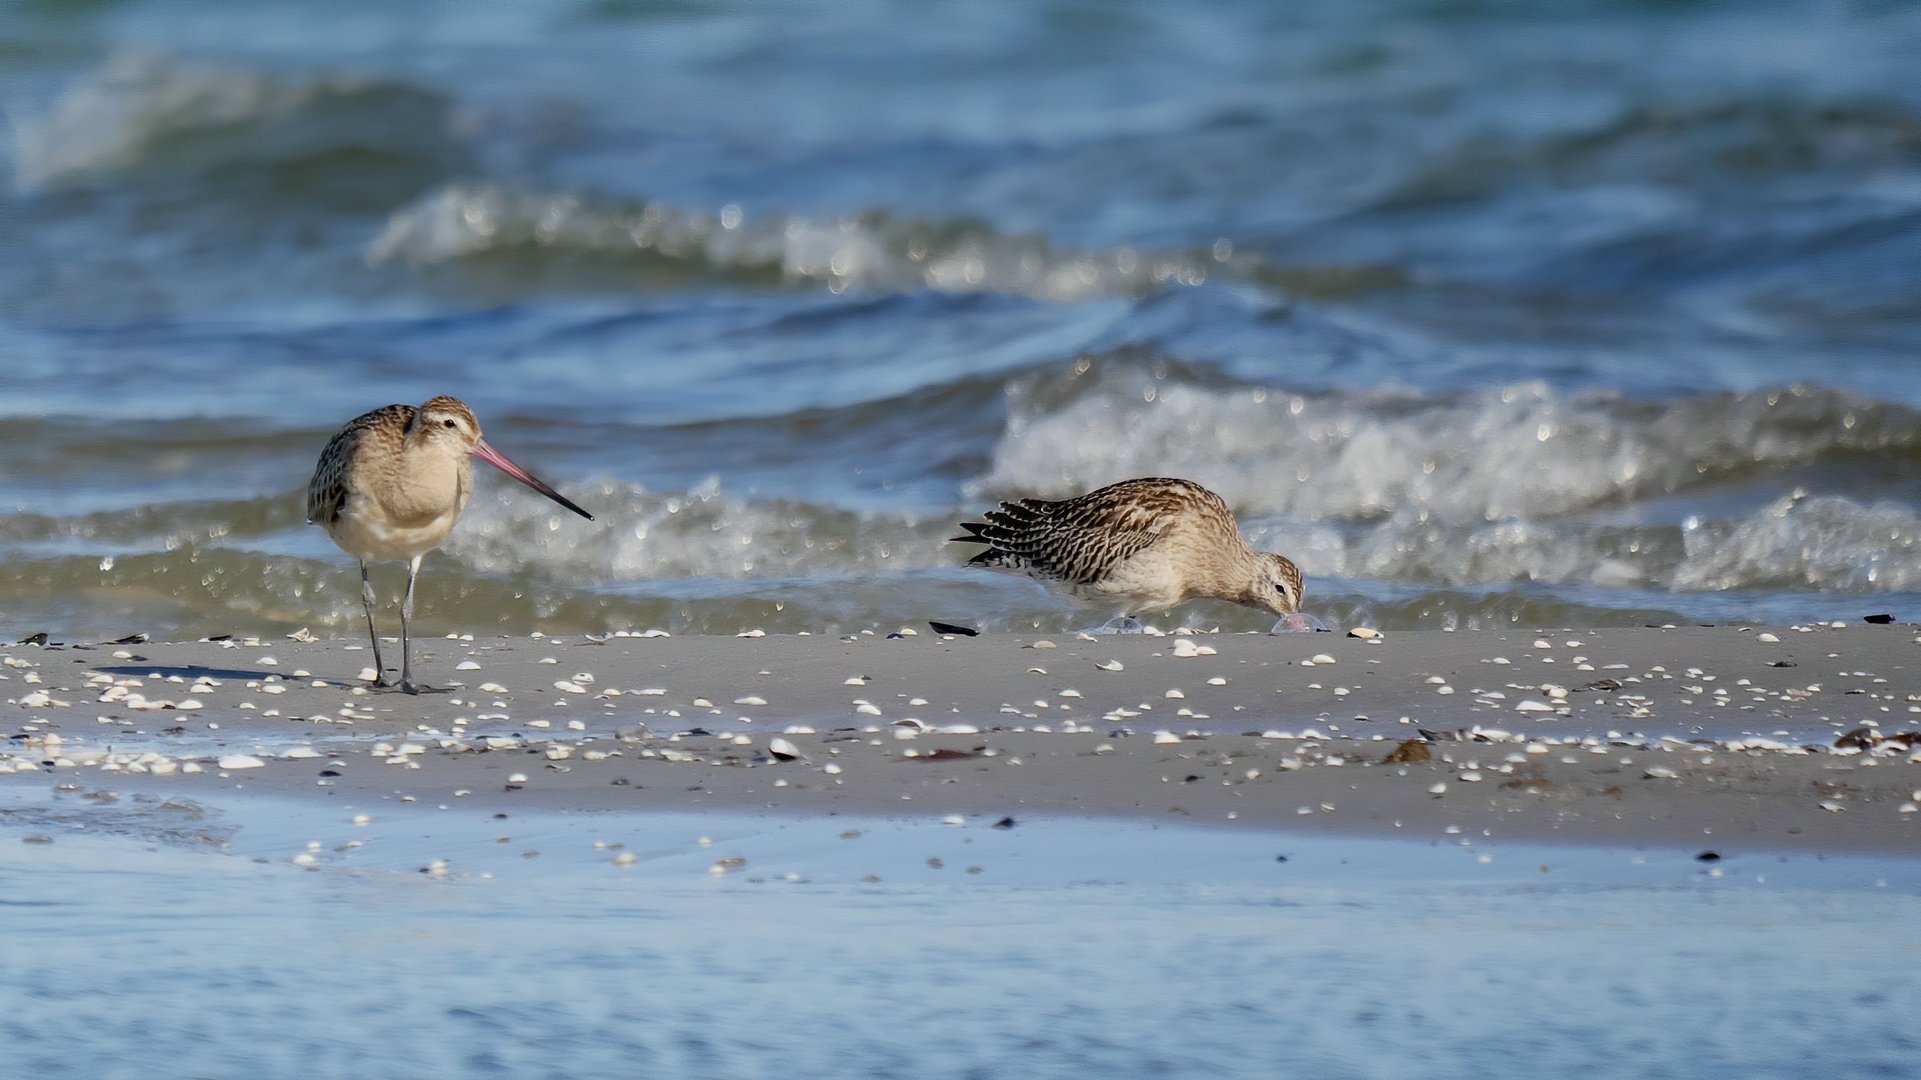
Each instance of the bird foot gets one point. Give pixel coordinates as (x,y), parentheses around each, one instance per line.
(1119,624)
(408,686)
(1300,622)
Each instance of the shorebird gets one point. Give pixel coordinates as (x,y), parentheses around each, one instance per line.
(391,484)
(1143,545)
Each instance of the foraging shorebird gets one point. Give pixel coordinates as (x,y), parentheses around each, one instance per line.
(391,484)
(1141,545)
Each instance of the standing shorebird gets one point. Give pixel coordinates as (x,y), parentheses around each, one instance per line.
(391,484)
(1143,545)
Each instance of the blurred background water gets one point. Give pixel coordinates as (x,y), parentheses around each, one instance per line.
(1603,312)
(152,935)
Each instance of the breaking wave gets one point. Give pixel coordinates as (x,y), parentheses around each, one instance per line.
(141,112)
(708,560)
(1827,543)
(873,250)
(1523,451)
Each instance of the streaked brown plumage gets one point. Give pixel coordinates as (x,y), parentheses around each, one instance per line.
(391,484)
(1139,545)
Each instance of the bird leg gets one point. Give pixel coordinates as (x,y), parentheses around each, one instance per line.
(1119,624)
(407,684)
(367,599)
(1299,622)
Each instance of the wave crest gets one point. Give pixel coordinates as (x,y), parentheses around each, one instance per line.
(872,250)
(1521,451)
(140,112)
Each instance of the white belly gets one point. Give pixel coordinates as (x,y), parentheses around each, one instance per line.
(1147,582)
(373,537)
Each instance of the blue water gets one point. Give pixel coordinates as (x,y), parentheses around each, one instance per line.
(147,937)
(1599,312)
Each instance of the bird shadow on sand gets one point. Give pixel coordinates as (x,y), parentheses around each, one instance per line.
(187,671)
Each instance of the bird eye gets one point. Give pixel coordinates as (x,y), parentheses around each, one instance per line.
(449,423)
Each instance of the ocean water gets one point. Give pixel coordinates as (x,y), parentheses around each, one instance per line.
(153,935)
(1583,313)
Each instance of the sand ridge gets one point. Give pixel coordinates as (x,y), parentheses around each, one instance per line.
(1709,736)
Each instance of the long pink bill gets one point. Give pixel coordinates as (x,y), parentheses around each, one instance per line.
(500,461)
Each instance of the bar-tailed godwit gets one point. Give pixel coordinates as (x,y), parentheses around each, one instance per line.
(391,484)
(1140,545)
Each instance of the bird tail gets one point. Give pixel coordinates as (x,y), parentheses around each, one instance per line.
(1001,532)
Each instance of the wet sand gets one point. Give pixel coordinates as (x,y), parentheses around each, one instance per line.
(1731,739)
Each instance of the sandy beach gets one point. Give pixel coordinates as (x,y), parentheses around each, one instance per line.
(1752,738)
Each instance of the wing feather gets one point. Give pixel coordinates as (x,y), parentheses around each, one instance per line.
(328,490)
(1080,540)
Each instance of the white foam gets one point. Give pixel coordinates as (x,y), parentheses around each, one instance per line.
(871,250)
(701,533)
(1518,452)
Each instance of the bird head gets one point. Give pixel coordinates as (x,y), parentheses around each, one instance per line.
(1277,584)
(447,422)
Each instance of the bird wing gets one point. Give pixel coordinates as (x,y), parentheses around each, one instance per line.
(1080,540)
(328,489)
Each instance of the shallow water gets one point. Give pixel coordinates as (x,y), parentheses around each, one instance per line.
(1605,316)
(142,931)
